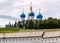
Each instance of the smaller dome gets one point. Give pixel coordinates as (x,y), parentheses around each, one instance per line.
(22,15)
(39,15)
(31,13)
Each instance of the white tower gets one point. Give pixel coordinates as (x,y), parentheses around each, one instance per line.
(31,14)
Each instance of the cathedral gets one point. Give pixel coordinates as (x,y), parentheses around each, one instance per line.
(31,14)
(30,17)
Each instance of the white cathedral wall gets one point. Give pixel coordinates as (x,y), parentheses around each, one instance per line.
(31,18)
(39,19)
(23,19)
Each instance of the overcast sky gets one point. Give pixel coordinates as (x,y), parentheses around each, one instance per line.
(10,10)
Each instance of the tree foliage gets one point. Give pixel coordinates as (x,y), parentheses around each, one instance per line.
(48,23)
(30,24)
(15,25)
(19,25)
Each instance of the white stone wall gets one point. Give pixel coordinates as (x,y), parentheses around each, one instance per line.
(51,40)
(21,40)
(30,40)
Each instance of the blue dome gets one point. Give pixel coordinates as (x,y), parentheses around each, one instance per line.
(22,15)
(39,15)
(31,13)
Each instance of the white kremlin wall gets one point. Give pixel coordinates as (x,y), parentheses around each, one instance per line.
(30,37)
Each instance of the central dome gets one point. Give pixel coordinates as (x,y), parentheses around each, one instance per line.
(22,15)
(31,13)
(39,15)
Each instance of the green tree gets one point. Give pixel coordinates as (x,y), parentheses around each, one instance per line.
(26,24)
(40,24)
(35,24)
(15,25)
(19,24)
(30,24)
(58,23)
(50,22)
(55,23)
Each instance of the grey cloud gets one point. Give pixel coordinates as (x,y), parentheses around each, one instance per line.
(8,17)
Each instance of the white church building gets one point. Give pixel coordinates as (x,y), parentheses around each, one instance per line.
(30,37)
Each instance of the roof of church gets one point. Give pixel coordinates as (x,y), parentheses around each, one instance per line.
(22,15)
(31,13)
(39,15)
